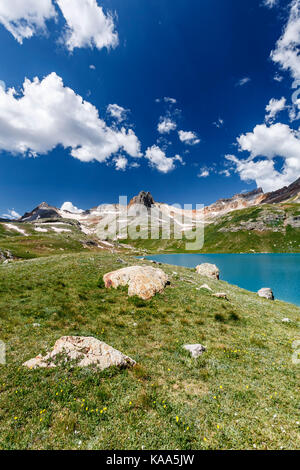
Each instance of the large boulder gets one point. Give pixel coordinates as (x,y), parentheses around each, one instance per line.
(143,281)
(208,270)
(82,351)
(266,292)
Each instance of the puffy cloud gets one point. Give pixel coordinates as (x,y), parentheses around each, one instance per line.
(11,214)
(121,163)
(48,114)
(68,206)
(87,25)
(117,112)
(264,145)
(24,19)
(243,81)
(274,107)
(286,52)
(92,67)
(158,159)
(188,137)
(203,173)
(166,125)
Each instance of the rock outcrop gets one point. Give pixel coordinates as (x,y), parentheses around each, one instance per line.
(83,352)
(196,350)
(143,281)
(144,199)
(266,293)
(208,270)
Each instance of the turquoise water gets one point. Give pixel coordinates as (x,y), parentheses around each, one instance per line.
(281,272)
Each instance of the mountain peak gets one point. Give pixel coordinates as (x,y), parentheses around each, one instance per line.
(143,198)
(42,211)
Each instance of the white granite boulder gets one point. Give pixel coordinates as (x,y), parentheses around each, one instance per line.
(83,351)
(143,281)
(266,293)
(208,270)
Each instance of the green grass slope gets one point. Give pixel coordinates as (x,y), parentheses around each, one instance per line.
(220,236)
(38,244)
(242,393)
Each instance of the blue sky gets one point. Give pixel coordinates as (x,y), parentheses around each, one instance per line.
(211,56)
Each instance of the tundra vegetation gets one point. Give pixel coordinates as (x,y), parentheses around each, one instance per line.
(241,393)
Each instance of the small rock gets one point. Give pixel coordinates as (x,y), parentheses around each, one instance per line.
(196,350)
(142,281)
(220,295)
(120,260)
(86,351)
(266,293)
(286,320)
(205,286)
(208,270)
(36,324)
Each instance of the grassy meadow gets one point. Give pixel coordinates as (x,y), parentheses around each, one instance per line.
(243,393)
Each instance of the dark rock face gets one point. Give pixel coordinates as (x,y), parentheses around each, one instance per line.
(144,199)
(43,211)
(283,194)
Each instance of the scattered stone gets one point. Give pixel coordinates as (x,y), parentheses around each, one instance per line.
(196,350)
(266,293)
(220,295)
(142,281)
(286,320)
(36,324)
(120,260)
(205,286)
(5,256)
(85,351)
(208,270)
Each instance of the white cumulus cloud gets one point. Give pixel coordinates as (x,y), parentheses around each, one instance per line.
(166,125)
(158,159)
(203,173)
(25,18)
(265,144)
(286,52)
(121,163)
(68,206)
(87,25)
(274,107)
(188,137)
(117,112)
(47,114)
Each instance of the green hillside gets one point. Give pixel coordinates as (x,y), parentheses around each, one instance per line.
(265,228)
(242,393)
